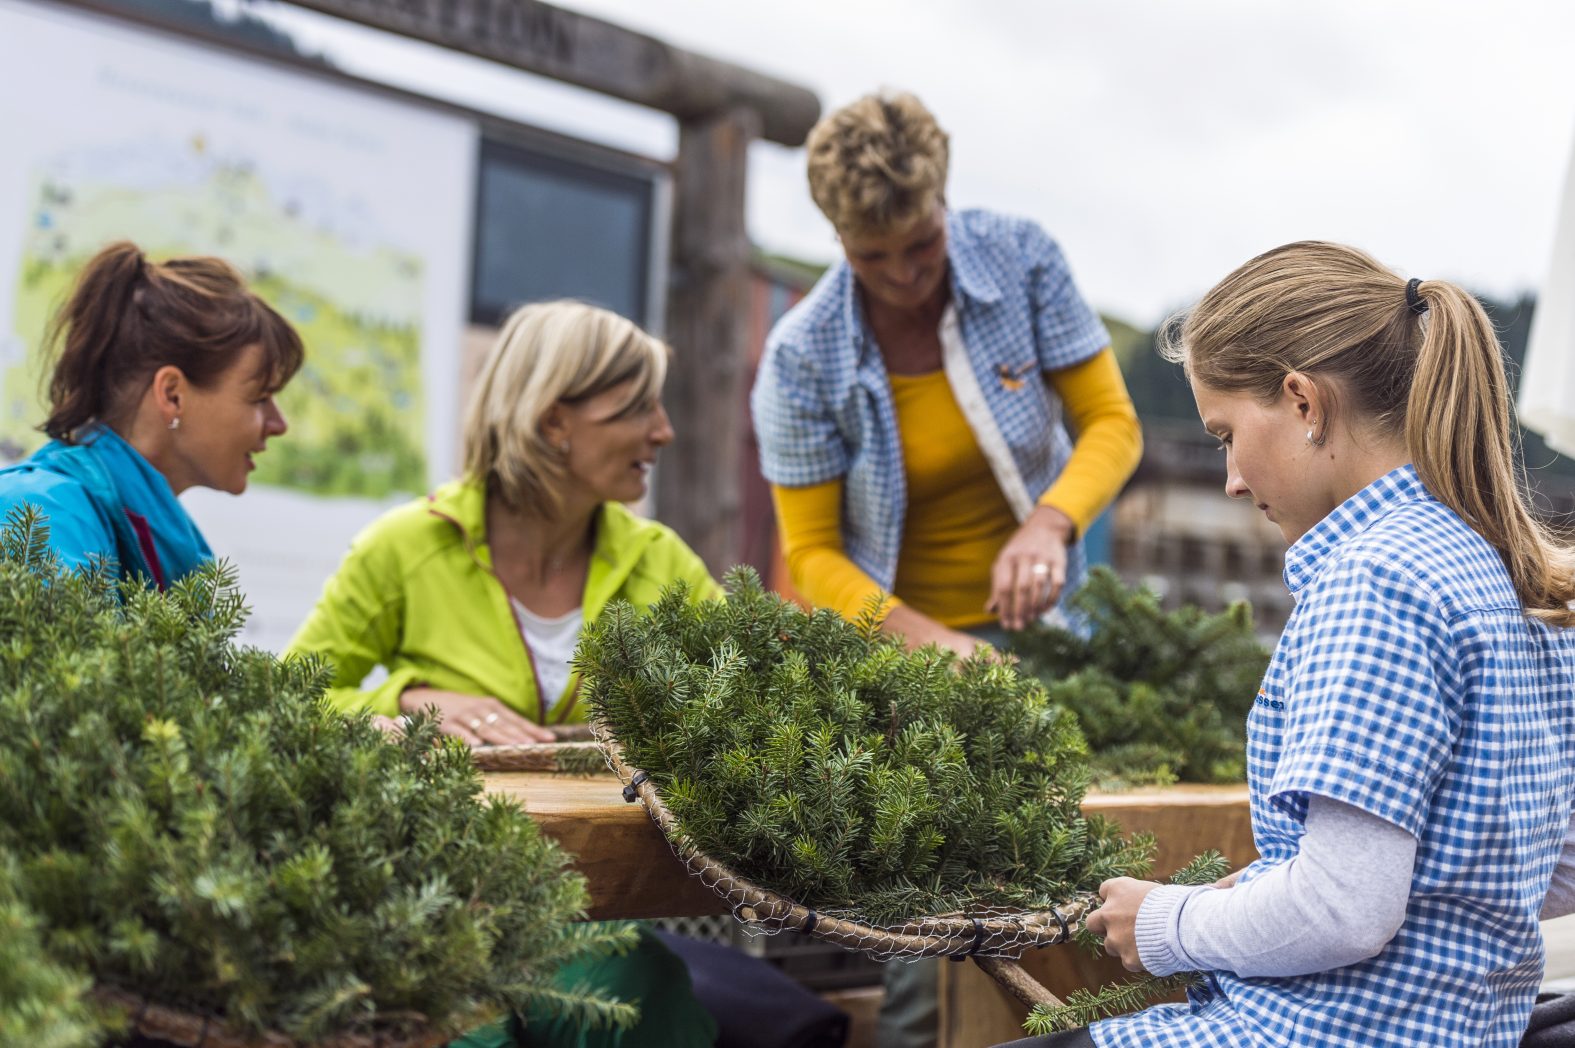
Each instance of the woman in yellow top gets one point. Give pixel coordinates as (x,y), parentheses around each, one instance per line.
(912,411)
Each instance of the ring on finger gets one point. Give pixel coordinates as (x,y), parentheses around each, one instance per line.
(491,718)
(474,723)
(1040,569)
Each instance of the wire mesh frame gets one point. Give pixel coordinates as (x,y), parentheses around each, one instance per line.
(573,751)
(994,938)
(574,758)
(168,1023)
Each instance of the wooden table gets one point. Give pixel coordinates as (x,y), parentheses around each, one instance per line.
(632,873)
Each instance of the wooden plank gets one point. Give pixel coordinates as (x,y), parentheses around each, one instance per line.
(591,53)
(698,487)
(628,866)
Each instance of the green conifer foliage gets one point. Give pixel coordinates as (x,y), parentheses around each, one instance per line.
(42,1003)
(191,822)
(821,760)
(1161,696)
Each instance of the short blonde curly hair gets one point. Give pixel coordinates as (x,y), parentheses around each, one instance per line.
(878,163)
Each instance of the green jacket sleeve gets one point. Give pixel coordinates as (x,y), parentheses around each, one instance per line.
(687,565)
(356,625)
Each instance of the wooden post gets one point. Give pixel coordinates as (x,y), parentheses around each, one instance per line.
(697,485)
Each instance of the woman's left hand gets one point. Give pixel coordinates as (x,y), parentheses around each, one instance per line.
(1116,920)
(1031,568)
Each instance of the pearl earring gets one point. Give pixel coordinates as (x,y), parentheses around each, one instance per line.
(175,422)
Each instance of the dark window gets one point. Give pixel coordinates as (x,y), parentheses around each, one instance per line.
(551,227)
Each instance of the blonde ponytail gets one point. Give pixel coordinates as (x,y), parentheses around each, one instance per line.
(1460,430)
(1425,365)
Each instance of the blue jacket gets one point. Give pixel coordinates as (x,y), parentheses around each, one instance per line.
(103,499)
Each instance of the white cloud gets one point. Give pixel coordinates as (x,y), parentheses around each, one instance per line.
(1164,143)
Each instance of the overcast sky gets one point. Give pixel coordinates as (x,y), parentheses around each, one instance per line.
(1162,143)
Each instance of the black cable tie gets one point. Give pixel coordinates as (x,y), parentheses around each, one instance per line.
(810,922)
(978,936)
(1065,934)
(631,792)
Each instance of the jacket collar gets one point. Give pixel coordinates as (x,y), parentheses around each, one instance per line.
(621,538)
(118,479)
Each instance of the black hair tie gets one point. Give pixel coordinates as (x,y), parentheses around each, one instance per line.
(1412,298)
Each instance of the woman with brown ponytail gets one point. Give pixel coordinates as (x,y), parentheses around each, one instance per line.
(1411,754)
(164,381)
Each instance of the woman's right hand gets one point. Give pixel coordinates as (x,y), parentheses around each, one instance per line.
(917,630)
(477,719)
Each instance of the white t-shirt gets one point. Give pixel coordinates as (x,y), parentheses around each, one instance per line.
(551,643)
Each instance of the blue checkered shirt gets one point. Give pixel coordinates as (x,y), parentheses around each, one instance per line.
(823,405)
(1407,683)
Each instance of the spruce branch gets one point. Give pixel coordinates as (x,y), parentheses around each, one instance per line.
(189,821)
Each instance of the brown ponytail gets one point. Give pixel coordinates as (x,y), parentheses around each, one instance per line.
(128,317)
(1436,379)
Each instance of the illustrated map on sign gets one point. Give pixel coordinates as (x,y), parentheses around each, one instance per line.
(356,408)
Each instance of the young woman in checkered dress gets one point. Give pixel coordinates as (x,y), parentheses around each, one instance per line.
(1411,755)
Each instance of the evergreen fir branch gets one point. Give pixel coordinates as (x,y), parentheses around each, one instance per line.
(42,1002)
(1085,1006)
(192,823)
(1203,869)
(582,1006)
(1161,696)
(818,757)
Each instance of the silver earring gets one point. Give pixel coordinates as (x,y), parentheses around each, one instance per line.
(175,422)
(564,447)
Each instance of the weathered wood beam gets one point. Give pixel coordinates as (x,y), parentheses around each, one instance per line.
(698,491)
(591,53)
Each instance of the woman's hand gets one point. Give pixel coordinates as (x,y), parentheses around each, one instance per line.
(478,719)
(1031,568)
(1116,920)
(917,629)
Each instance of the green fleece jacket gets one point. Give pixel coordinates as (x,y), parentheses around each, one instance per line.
(417,594)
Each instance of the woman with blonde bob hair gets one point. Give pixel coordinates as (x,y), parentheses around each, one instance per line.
(1411,754)
(474,596)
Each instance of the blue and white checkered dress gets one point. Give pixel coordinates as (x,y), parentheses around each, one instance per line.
(823,405)
(1407,683)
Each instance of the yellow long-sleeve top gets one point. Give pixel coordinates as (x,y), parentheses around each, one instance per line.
(957,518)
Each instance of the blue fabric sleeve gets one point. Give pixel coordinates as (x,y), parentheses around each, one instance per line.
(1368,722)
(1067,330)
(799,441)
(76,530)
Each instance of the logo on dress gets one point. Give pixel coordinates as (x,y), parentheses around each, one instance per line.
(1012,379)
(1266,702)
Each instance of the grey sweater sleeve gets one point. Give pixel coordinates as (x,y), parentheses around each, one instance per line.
(1560,899)
(1339,900)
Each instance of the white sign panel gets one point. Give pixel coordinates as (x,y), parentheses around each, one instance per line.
(348,210)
